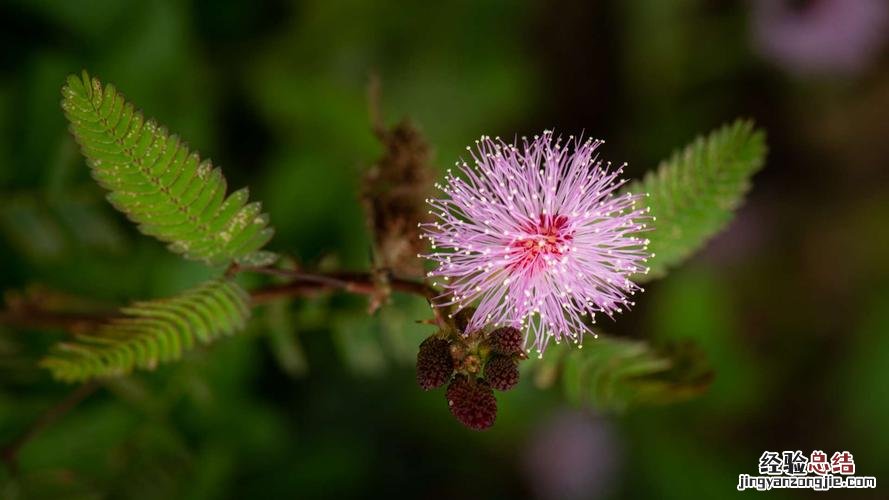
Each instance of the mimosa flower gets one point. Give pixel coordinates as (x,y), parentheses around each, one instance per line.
(535,237)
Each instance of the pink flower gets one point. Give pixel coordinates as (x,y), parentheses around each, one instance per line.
(821,36)
(573,454)
(535,234)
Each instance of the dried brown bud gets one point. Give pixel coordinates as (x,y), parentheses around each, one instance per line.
(394,192)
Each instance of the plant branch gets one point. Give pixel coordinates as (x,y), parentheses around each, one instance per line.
(299,284)
(302,283)
(74,323)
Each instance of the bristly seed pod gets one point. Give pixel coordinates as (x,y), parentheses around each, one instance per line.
(434,363)
(502,372)
(507,341)
(472,402)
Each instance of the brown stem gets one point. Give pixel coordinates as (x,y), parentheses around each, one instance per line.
(11,450)
(73,323)
(301,284)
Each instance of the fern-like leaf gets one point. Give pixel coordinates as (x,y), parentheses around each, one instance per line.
(153,332)
(158,183)
(616,374)
(693,194)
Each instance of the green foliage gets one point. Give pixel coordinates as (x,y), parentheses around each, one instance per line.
(615,374)
(43,227)
(152,332)
(369,345)
(158,183)
(283,339)
(693,194)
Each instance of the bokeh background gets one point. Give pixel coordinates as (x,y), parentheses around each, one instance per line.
(318,400)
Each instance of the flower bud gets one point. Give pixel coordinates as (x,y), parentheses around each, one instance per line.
(472,402)
(458,352)
(471,364)
(434,363)
(502,372)
(507,341)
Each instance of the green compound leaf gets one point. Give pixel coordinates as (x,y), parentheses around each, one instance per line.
(614,374)
(158,183)
(693,195)
(153,332)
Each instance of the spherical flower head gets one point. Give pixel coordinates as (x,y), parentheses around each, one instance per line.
(472,402)
(507,340)
(502,372)
(536,236)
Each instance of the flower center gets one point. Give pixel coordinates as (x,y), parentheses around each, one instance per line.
(549,238)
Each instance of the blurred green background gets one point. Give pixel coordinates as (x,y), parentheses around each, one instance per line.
(318,400)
